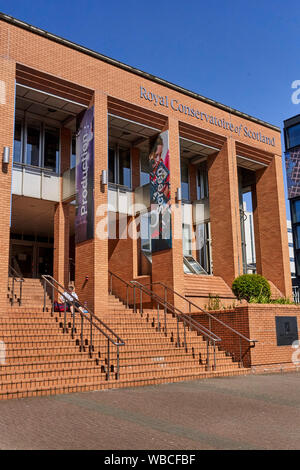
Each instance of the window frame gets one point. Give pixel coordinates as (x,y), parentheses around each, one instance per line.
(116,148)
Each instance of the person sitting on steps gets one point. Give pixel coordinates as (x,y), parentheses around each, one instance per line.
(68,296)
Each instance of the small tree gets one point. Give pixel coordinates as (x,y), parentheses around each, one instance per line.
(248,286)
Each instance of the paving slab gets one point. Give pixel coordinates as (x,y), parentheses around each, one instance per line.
(245,412)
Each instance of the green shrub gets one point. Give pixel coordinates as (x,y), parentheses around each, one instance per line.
(282,300)
(260,299)
(250,287)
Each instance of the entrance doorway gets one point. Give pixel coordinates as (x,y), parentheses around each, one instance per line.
(31,259)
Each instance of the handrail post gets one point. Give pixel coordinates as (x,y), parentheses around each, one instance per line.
(215,363)
(178,338)
(91,336)
(65,316)
(13,290)
(141,301)
(108,360)
(44,309)
(165,315)
(207,355)
(127,295)
(81,335)
(134,303)
(52,302)
(158,322)
(21,287)
(73,328)
(118,362)
(185,345)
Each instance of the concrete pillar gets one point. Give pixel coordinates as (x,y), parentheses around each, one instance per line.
(270,227)
(7,103)
(224,213)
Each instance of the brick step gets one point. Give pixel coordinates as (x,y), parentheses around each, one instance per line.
(153,372)
(113,384)
(126,357)
(64,369)
(48,335)
(28,310)
(7,376)
(74,353)
(97,342)
(37,366)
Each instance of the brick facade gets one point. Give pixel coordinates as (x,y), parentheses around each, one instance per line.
(94,257)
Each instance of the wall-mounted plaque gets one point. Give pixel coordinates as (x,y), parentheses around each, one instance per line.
(286,330)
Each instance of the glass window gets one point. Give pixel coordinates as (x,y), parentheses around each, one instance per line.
(73,152)
(296,210)
(124,168)
(33,146)
(51,149)
(119,167)
(297,238)
(145,232)
(18,141)
(186,239)
(185,191)
(202,182)
(145,174)
(111,166)
(293,136)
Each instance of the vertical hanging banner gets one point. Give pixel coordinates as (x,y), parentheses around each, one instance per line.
(159,159)
(84,221)
(292,162)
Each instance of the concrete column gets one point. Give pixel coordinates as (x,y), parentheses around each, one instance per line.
(167,265)
(270,227)
(7,102)
(224,213)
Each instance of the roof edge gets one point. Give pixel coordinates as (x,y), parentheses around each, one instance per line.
(128,68)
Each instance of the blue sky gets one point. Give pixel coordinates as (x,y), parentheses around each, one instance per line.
(243,54)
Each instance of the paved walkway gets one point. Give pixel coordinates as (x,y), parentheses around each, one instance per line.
(251,412)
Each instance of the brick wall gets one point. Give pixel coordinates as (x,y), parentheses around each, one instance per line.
(255,322)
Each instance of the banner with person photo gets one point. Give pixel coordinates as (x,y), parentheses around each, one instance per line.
(159,160)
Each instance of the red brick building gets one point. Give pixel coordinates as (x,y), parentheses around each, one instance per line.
(215,154)
(111,175)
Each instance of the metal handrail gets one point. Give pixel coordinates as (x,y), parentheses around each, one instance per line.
(167,307)
(204,311)
(210,316)
(16,277)
(110,335)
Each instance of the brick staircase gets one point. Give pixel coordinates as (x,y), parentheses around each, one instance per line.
(42,360)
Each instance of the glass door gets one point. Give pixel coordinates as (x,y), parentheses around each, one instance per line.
(22,256)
